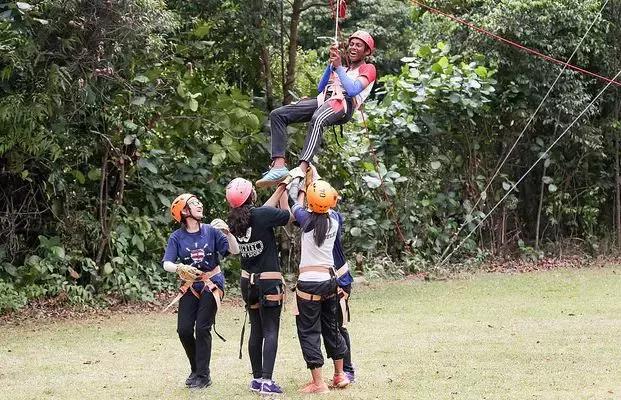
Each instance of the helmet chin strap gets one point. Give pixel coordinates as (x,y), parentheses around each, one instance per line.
(189,214)
(198,219)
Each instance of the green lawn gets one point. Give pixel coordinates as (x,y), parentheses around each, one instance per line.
(546,335)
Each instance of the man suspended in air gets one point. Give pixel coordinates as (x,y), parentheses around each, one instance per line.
(342,90)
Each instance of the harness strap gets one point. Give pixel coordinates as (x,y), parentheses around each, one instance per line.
(307,296)
(343,270)
(322,268)
(204,277)
(270,275)
(243,331)
(344,306)
(267,275)
(315,268)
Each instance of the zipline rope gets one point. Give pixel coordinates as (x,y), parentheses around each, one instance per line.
(532,117)
(516,44)
(340,12)
(541,157)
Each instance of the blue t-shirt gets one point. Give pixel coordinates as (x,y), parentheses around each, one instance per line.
(339,254)
(200,249)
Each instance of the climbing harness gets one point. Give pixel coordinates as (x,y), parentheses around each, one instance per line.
(335,273)
(213,289)
(281,297)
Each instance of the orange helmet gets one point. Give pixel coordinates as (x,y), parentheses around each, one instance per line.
(334,195)
(321,197)
(178,205)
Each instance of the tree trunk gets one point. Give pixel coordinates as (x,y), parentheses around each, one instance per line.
(267,77)
(103,206)
(617,177)
(258,18)
(540,207)
(296,11)
(282,45)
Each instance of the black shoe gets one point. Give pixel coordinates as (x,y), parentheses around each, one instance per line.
(191,378)
(200,382)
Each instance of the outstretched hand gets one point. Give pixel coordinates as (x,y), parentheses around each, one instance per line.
(221,225)
(187,272)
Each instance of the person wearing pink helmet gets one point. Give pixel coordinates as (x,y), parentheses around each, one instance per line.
(261,281)
(342,90)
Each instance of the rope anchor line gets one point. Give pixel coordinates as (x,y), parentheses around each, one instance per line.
(519,45)
(566,65)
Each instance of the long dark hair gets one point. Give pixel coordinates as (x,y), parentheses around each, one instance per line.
(321,223)
(239,218)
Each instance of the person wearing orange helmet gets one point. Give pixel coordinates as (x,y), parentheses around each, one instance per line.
(316,299)
(193,252)
(261,282)
(344,281)
(341,91)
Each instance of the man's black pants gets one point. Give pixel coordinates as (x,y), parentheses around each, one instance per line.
(319,318)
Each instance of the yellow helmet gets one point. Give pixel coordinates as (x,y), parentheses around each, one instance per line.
(321,197)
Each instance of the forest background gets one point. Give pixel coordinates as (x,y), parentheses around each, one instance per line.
(111,108)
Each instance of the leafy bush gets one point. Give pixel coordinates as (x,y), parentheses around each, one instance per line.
(10,298)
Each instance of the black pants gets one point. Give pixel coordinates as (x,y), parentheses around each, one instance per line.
(319,318)
(264,325)
(306,110)
(199,313)
(347,364)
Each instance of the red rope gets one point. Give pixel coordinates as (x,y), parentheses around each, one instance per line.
(516,45)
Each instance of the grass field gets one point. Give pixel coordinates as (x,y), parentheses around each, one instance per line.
(544,335)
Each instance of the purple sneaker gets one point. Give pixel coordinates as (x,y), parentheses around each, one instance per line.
(270,388)
(255,385)
(351,376)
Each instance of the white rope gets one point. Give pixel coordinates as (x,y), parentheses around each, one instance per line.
(532,117)
(336,24)
(541,157)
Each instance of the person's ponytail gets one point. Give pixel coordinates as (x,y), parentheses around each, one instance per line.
(321,224)
(239,218)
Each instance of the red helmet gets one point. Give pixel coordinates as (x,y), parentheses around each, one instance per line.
(238,191)
(365,37)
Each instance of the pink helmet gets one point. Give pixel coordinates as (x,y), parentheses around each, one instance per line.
(237,192)
(365,37)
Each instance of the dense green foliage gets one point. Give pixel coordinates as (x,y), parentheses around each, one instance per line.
(109,109)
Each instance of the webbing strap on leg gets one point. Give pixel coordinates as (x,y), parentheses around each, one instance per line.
(184,288)
(243,331)
(216,295)
(344,307)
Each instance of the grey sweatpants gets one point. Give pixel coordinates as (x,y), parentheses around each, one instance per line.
(305,111)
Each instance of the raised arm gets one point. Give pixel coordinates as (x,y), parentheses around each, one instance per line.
(284,203)
(275,197)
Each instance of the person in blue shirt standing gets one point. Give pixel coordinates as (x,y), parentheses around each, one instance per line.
(193,252)
(344,281)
